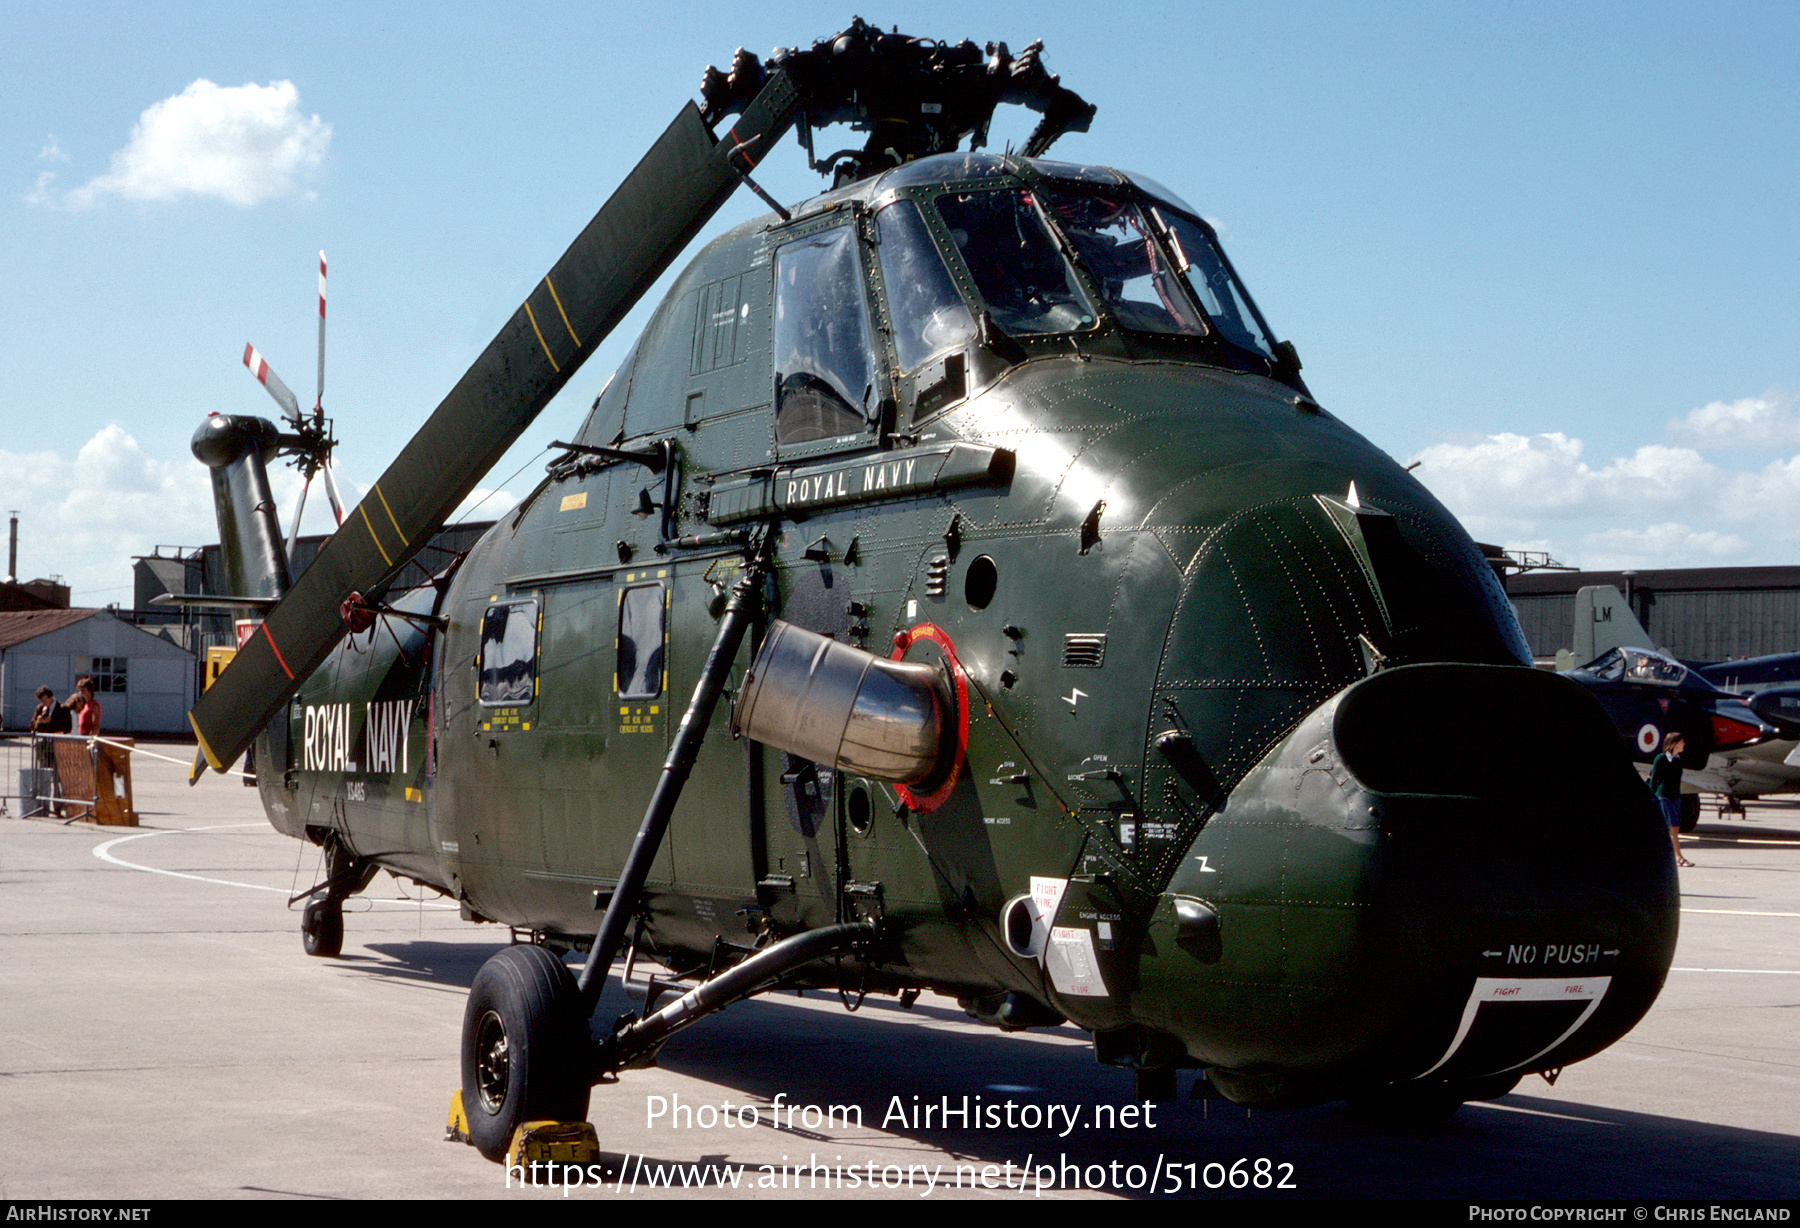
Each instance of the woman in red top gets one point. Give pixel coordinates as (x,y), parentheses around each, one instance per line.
(87,714)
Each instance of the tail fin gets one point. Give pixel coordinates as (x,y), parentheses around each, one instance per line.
(1604,621)
(237,449)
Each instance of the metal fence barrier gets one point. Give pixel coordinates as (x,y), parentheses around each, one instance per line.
(67,776)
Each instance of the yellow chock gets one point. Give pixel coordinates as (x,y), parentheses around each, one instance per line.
(553,1142)
(456,1130)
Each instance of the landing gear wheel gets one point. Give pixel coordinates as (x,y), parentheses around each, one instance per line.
(526,1054)
(322,928)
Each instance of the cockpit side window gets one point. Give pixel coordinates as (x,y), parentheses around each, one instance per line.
(1210,277)
(824,376)
(1024,281)
(928,315)
(1113,240)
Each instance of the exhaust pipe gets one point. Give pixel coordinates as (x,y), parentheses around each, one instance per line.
(849,709)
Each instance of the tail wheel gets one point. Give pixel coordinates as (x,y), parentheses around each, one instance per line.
(526,1055)
(322,929)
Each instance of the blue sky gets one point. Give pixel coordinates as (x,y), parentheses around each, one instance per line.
(1550,250)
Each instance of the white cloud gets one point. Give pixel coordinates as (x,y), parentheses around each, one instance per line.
(52,150)
(1544,477)
(241,144)
(484,504)
(1662,505)
(84,519)
(40,193)
(1660,545)
(1767,423)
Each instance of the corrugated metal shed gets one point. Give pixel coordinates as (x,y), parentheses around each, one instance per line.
(146,683)
(1698,613)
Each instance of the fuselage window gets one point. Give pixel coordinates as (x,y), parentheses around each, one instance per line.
(823,373)
(1112,239)
(642,642)
(507,665)
(1022,278)
(928,315)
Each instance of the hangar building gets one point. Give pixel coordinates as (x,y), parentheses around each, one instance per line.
(1696,613)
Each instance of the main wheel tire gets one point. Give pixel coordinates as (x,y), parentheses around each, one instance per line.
(322,929)
(526,1054)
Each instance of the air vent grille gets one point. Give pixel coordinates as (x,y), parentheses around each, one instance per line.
(1084,650)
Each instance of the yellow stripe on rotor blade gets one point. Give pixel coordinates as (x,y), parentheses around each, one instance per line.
(372,534)
(555,298)
(204,748)
(532,316)
(398,531)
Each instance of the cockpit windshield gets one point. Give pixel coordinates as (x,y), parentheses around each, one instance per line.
(1114,243)
(928,315)
(1637,665)
(1019,272)
(1220,295)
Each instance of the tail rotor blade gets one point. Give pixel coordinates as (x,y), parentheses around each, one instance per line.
(259,367)
(331,493)
(299,515)
(319,405)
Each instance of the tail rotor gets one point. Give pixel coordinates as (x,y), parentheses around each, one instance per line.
(308,441)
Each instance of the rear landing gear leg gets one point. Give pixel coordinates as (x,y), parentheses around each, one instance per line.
(322,922)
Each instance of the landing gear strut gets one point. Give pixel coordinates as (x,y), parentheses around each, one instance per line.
(322,922)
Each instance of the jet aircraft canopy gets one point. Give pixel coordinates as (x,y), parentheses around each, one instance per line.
(1637,665)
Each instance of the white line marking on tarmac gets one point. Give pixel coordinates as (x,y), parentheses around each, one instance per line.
(1745,971)
(104,853)
(1740,912)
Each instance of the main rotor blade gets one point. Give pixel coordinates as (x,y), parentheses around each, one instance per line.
(259,367)
(652,216)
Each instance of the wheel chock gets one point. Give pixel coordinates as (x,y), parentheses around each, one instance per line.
(456,1130)
(553,1142)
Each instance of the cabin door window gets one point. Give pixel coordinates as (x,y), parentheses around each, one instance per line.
(507,665)
(643,641)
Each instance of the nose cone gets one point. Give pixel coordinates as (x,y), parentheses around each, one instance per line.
(1447,874)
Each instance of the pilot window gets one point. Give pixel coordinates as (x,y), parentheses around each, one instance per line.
(824,377)
(506,667)
(1022,278)
(1112,239)
(1218,291)
(928,315)
(638,673)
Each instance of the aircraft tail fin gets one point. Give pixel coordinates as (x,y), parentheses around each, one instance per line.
(1603,621)
(237,450)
